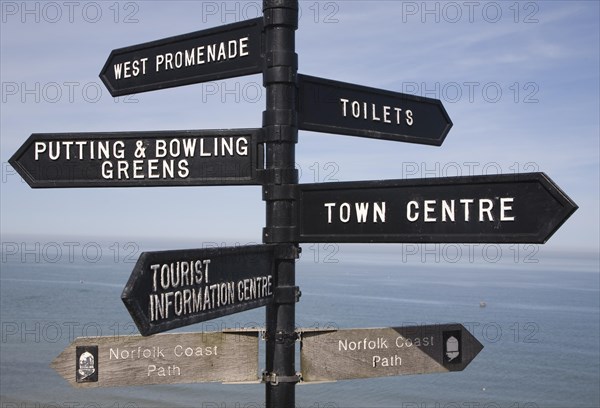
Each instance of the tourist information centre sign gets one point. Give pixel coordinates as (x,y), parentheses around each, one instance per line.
(208,55)
(170,289)
(174,358)
(140,159)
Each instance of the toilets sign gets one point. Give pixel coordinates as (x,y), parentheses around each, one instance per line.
(348,109)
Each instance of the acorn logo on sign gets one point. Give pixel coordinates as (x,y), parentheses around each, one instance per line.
(86,365)
(452,347)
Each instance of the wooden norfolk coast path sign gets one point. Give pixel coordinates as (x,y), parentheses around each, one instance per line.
(171,358)
(367,353)
(171,289)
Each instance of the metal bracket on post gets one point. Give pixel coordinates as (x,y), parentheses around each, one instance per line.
(281,192)
(278,134)
(277,176)
(286,294)
(274,379)
(287,252)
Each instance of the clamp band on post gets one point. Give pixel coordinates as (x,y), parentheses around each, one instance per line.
(287,295)
(278,134)
(278,176)
(280,117)
(279,74)
(275,15)
(274,379)
(275,235)
(277,192)
(287,252)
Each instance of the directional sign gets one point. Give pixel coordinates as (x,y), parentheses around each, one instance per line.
(519,208)
(171,289)
(367,353)
(347,109)
(162,359)
(223,52)
(132,159)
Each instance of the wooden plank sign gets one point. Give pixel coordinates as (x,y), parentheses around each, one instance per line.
(176,358)
(367,353)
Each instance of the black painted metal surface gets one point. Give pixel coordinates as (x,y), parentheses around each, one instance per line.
(223,52)
(171,289)
(348,109)
(140,159)
(514,208)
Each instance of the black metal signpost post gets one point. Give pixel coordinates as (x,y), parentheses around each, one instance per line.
(171,289)
(280,130)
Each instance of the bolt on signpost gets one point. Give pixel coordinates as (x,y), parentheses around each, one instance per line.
(172,289)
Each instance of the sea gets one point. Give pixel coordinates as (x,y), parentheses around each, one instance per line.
(535,310)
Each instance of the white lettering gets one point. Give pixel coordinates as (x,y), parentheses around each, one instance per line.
(504,207)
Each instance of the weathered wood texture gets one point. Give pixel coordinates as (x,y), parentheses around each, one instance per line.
(165,359)
(366,353)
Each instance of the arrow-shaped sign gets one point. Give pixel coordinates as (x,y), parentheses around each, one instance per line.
(162,359)
(519,208)
(140,159)
(367,353)
(171,289)
(348,109)
(223,52)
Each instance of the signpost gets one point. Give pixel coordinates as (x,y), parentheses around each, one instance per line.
(367,353)
(223,52)
(140,159)
(162,359)
(171,289)
(515,208)
(348,109)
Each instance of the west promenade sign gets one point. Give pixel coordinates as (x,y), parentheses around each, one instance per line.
(218,53)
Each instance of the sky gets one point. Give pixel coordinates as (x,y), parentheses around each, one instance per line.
(520,81)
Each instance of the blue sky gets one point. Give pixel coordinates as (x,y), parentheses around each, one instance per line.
(520,81)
